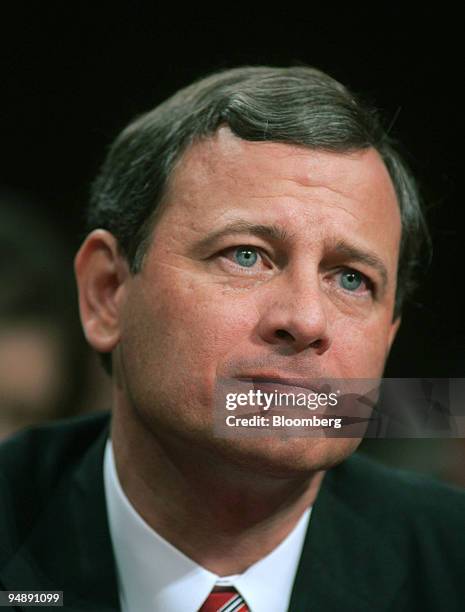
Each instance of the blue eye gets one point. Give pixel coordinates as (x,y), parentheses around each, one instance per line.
(351,280)
(245,256)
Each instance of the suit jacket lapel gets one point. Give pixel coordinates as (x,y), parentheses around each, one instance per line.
(69,547)
(348,561)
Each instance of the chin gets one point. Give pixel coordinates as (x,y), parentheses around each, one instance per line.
(287,458)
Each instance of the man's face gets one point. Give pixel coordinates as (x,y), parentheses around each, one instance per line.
(267,260)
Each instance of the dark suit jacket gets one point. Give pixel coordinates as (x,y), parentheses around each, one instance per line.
(378,540)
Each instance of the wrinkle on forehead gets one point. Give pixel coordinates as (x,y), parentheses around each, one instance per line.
(224,175)
(230,155)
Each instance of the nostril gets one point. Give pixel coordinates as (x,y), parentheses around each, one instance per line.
(282,333)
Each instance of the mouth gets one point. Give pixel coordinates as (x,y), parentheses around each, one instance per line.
(259,380)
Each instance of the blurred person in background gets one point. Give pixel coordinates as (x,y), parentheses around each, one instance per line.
(46,369)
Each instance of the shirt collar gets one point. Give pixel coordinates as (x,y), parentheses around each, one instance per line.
(154,575)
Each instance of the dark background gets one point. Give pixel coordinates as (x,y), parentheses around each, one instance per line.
(73,76)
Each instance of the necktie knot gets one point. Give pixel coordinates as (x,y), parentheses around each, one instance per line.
(224,599)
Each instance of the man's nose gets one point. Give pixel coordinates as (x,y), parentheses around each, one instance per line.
(295,316)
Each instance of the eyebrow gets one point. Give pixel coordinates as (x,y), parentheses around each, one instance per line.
(278,233)
(270,232)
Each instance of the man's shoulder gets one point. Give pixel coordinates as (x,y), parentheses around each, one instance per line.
(50,448)
(405,500)
(53,525)
(36,460)
(394,540)
(402,484)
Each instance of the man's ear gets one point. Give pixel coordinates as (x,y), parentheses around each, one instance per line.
(393,331)
(101,272)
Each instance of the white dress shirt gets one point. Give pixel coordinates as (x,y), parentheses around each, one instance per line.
(154,576)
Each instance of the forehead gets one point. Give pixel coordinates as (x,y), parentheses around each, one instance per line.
(315,192)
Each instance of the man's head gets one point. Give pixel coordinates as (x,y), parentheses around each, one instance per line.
(257,223)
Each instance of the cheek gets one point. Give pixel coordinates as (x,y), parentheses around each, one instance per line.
(175,340)
(360,347)
(184,326)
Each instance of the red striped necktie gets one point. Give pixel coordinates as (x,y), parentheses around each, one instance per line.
(224,599)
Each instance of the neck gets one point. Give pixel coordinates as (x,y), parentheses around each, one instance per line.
(187,493)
